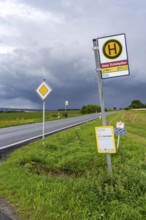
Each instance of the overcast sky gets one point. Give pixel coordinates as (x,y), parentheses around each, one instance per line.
(52,39)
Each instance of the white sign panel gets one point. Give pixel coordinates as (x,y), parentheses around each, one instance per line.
(43,90)
(113,56)
(120,124)
(105,139)
(66,102)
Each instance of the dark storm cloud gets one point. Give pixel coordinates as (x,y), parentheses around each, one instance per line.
(120,92)
(23,71)
(53,40)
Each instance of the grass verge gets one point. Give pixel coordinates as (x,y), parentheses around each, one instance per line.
(66,179)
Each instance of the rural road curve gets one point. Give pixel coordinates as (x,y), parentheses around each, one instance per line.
(19,135)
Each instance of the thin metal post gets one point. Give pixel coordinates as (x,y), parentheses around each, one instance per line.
(101,96)
(43,128)
(118,142)
(65,107)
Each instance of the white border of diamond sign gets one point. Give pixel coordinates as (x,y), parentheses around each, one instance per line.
(44,83)
(113,56)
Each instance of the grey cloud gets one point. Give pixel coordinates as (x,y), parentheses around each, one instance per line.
(59,48)
(24,70)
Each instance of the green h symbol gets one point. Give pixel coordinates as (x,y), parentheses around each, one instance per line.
(113,48)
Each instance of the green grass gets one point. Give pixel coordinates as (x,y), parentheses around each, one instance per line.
(66,179)
(20,118)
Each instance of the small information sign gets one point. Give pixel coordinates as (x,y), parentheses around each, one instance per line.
(120,124)
(120,131)
(105,139)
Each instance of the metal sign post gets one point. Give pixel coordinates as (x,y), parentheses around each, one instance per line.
(118,142)
(43,91)
(43,129)
(66,104)
(101,97)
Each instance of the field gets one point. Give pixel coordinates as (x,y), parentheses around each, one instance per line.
(20,118)
(67,179)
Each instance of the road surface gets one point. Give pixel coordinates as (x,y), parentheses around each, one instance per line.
(20,135)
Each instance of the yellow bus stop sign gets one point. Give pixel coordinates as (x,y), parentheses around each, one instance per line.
(112,49)
(113,56)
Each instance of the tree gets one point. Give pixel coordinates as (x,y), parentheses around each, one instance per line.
(136,104)
(90,109)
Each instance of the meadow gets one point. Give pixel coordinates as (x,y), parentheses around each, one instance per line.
(15,118)
(67,179)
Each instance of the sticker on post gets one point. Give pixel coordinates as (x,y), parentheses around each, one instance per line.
(105,139)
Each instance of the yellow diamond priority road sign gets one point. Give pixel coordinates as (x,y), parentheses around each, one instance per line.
(43,90)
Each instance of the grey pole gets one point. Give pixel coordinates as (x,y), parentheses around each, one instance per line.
(118,142)
(101,96)
(43,129)
(65,106)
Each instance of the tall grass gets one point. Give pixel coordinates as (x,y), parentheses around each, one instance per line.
(66,179)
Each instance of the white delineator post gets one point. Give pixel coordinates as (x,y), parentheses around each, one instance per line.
(101,96)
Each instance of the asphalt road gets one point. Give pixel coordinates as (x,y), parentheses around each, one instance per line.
(20,135)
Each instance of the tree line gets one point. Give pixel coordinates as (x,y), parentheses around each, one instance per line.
(87,109)
(136,104)
(93,108)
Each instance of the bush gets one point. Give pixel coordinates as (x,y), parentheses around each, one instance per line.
(65,115)
(90,109)
(136,104)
